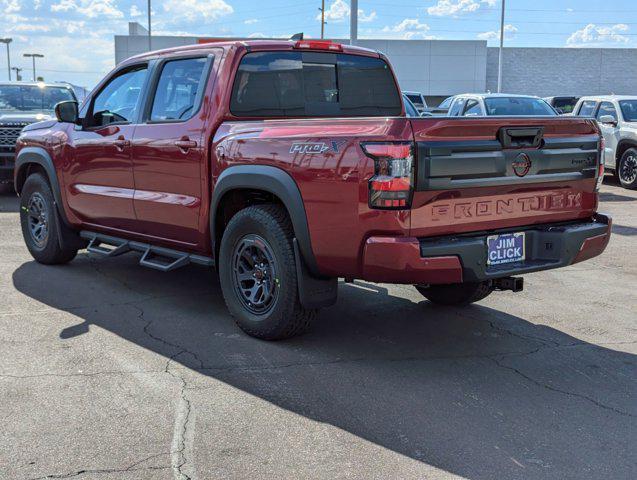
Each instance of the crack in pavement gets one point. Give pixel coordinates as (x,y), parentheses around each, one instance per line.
(178,449)
(88,374)
(558,390)
(130,468)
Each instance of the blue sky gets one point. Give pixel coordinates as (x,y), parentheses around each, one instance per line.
(76,36)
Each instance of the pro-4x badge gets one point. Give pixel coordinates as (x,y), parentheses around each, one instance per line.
(308,147)
(316,147)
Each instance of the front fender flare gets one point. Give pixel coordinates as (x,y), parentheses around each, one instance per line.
(39,156)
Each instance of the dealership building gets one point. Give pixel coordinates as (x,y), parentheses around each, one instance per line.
(439,68)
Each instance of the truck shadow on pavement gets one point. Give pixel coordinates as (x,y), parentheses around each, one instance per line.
(475,391)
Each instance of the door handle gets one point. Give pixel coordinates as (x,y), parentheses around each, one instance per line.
(185,144)
(121,143)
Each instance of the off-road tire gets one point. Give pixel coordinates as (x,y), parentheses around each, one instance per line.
(52,250)
(286,318)
(456,294)
(629,155)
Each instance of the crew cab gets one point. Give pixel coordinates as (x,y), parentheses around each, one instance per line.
(617,117)
(287,165)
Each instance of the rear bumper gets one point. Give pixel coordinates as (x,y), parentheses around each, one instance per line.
(463,258)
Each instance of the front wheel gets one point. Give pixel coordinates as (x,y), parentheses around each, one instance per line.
(41,223)
(457,294)
(627,169)
(257,271)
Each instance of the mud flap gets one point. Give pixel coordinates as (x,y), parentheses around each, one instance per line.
(313,292)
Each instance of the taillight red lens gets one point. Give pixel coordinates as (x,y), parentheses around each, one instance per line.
(600,171)
(319,45)
(391,186)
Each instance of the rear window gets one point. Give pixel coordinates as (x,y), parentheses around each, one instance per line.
(301,84)
(415,99)
(515,106)
(565,104)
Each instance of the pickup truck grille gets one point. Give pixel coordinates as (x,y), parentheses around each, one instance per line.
(9,135)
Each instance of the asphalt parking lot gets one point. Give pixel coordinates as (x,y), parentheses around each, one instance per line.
(109,370)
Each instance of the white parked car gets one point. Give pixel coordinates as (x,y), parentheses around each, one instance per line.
(617,117)
(502,104)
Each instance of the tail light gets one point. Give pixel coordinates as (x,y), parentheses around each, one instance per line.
(600,168)
(391,187)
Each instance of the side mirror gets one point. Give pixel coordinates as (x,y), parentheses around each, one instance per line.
(67,112)
(608,120)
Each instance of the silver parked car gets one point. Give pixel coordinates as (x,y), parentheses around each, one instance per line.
(617,117)
(503,104)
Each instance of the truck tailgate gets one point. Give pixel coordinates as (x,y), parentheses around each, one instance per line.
(481,174)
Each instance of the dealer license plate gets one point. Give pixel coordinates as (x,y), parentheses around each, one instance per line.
(505,248)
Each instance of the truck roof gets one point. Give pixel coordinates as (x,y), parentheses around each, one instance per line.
(495,95)
(256,45)
(38,84)
(609,97)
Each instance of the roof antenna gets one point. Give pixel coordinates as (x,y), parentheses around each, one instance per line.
(297,36)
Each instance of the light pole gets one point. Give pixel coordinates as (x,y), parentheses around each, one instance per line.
(353,22)
(322,9)
(149,42)
(18,77)
(33,57)
(7,41)
(501,47)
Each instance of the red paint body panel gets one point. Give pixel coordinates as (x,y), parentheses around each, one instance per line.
(593,246)
(156,192)
(398,260)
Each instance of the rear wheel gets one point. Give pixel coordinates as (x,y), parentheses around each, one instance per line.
(258,274)
(457,293)
(41,223)
(627,169)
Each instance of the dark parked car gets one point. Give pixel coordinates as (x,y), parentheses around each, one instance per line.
(22,104)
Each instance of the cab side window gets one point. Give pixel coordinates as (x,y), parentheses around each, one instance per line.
(587,108)
(472,108)
(179,89)
(607,108)
(118,101)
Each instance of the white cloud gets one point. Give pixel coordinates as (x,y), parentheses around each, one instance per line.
(366,18)
(407,29)
(592,35)
(251,21)
(338,11)
(10,6)
(446,8)
(509,31)
(135,11)
(257,35)
(89,8)
(196,10)
(27,27)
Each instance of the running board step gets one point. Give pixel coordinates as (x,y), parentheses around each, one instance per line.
(158,258)
(111,247)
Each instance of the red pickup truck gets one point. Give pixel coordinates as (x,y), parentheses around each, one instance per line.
(289,164)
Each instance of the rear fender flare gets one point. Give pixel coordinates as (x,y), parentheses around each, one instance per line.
(277,182)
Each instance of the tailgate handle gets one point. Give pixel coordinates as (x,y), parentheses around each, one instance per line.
(517,137)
